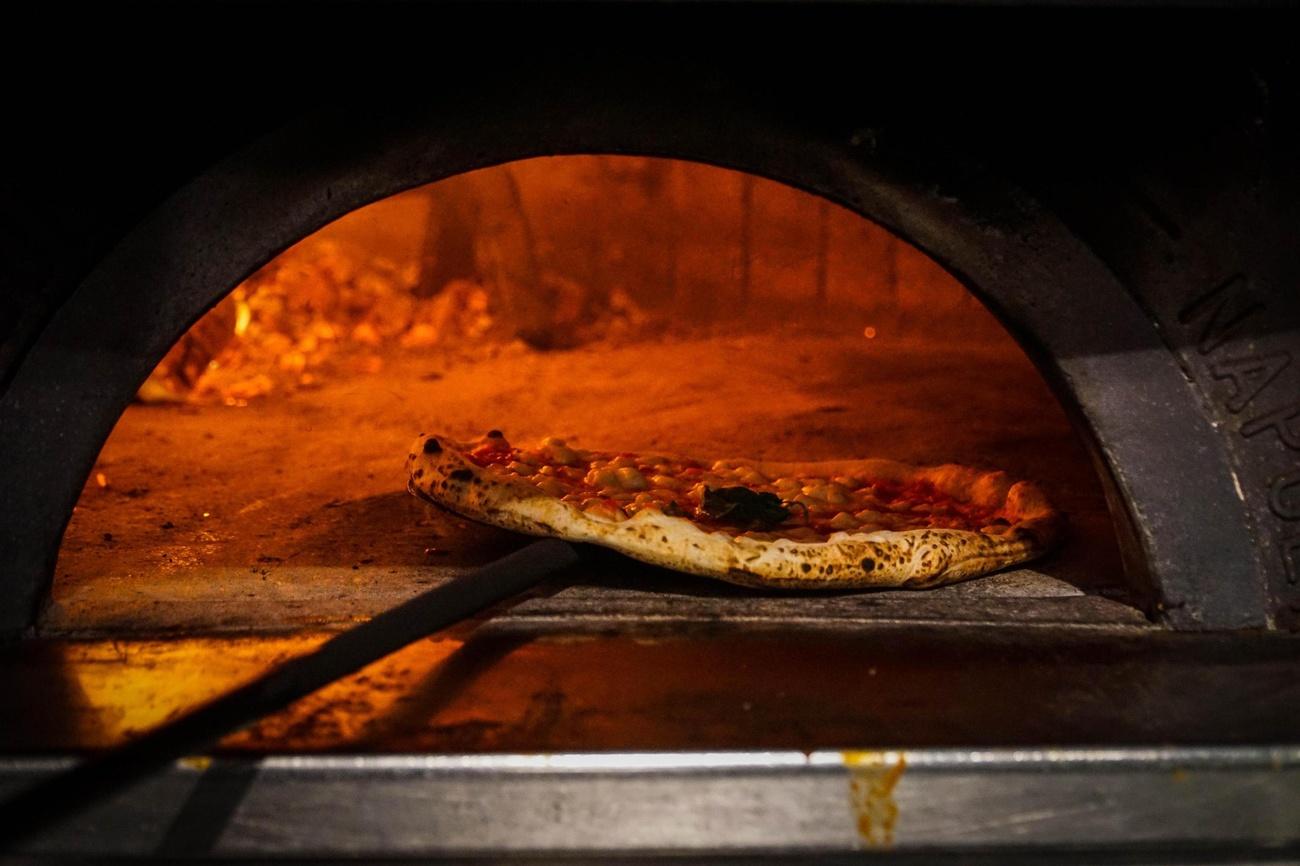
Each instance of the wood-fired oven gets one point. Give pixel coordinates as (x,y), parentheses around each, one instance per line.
(1100,224)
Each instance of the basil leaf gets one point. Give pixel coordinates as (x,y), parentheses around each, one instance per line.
(740,506)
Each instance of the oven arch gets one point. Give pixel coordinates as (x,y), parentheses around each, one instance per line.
(1106,357)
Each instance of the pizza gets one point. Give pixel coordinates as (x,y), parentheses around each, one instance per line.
(826,525)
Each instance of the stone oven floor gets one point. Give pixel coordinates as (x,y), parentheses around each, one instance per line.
(291,513)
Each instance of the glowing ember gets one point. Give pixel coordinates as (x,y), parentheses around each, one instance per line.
(243,312)
(869,332)
(316,309)
(101,479)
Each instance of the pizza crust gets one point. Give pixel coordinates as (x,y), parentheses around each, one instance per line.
(439,472)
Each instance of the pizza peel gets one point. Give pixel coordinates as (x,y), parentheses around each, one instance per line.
(71,792)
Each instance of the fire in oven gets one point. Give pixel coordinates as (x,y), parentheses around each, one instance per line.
(534,471)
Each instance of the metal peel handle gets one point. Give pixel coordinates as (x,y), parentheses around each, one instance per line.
(69,793)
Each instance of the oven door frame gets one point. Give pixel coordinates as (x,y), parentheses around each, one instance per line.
(1173,478)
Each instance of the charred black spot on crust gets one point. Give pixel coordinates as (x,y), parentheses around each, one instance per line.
(806,567)
(461,474)
(419,473)
(495,434)
(432,446)
(410,456)
(867,563)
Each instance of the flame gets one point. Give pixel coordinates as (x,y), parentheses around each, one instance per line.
(243,312)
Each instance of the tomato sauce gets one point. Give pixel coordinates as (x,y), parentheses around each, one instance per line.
(900,506)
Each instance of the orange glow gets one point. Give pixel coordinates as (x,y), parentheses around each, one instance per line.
(295,514)
(124,688)
(713,689)
(555,253)
(101,479)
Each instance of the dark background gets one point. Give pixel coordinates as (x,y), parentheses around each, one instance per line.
(110,109)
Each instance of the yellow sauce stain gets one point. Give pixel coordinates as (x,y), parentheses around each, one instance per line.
(872,777)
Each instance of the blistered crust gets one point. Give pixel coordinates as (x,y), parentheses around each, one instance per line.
(439,472)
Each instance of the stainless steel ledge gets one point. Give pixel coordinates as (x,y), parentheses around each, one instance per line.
(933,800)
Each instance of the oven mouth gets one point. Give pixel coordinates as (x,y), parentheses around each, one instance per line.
(1025,264)
(641,305)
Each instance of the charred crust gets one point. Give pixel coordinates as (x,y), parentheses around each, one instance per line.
(495,434)
(805,567)
(867,563)
(419,473)
(420,494)
(432,446)
(461,474)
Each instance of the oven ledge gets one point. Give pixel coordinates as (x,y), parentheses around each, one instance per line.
(1226,799)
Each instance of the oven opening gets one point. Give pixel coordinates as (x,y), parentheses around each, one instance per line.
(254,498)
